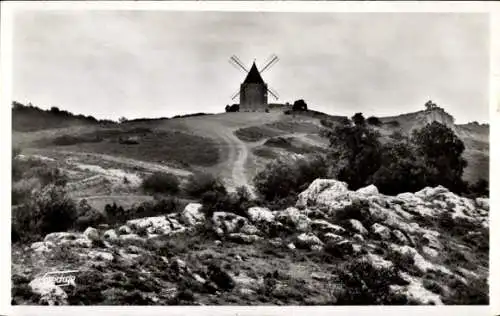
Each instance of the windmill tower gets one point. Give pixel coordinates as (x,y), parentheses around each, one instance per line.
(254,91)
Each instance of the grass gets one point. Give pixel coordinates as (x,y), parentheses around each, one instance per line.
(255,133)
(158,146)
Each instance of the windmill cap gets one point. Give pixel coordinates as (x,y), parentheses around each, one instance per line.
(253,75)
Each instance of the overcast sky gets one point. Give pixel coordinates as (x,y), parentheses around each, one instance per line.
(151,64)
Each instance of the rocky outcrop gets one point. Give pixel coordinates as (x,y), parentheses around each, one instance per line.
(399,236)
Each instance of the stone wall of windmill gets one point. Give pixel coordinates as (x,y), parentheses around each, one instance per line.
(253,97)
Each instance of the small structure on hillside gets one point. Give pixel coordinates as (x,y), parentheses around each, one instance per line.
(254,91)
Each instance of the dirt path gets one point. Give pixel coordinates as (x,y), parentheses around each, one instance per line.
(237,155)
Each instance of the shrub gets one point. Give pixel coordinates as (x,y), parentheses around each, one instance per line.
(88,216)
(48,175)
(22,189)
(372,120)
(326,123)
(50,210)
(282,178)
(368,285)
(161,182)
(199,183)
(480,188)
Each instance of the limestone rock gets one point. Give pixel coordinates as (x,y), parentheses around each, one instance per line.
(42,246)
(369,190)
(381,231)
(308,240)
(110,234)
(358,227)
(292,217)
(124,230)
(326,227)
(400,237)
(243,238)
(192,214)
(50,293)
(260,214)
(324,189)
(91,233)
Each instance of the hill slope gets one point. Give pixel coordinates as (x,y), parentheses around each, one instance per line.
(232,146)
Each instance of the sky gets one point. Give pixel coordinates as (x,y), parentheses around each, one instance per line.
(139,64)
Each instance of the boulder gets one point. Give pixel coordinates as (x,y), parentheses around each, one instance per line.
(243,238)
(358,237)
(50,293)
(132,237)
(321,191)
(341,248)
(42,246)
(430,238)
(326,227)
(430,193)
(154,225)
(260,214)
(91,233)
(292,217)
(331,237)
(377,261)
(369,190)
(100,255)
(308,240)
(110,234)
(61,236)
(381,231)
(291,246)
(358,227)
(192,215)
(430,252)
(400,237)
(124,230)
(483,203)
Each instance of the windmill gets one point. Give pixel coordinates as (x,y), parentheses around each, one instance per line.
(254,91)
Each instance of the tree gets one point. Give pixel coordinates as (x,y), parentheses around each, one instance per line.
(233,108)
(299,105)
(355,153)
(358,119)
(442,150)
(122,119)
(401,170)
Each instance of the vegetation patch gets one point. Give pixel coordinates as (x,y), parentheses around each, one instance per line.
(255,133)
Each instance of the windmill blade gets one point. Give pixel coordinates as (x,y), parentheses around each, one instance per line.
(273,93)
(235,61)
(235,95)
(272,62)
